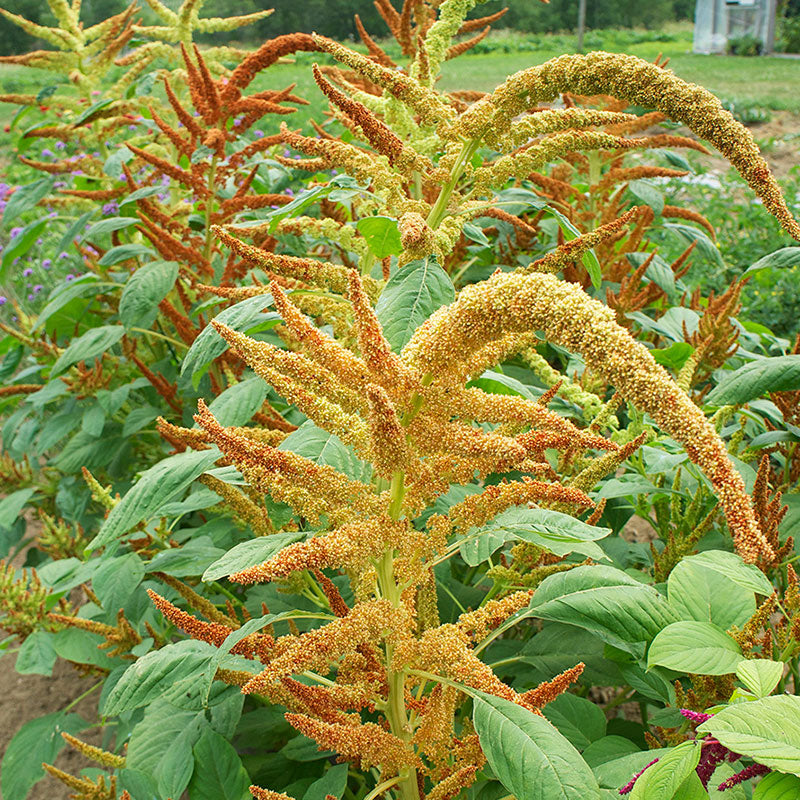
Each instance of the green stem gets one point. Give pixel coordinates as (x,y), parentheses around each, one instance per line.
(439,210)
(81,696)
(382,787)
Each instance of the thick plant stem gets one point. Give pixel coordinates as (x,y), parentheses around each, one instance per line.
(439,210)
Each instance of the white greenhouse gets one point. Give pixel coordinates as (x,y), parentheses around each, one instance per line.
(718,21)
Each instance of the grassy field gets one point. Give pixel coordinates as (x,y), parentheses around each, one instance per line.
(763,82)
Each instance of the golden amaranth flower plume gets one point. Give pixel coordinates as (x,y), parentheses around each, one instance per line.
(570,318)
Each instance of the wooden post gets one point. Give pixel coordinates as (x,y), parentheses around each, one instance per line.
(581,23)
(769,28)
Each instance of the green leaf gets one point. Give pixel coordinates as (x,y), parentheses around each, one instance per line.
(692,789)
(244,317)
(382,235)
(37,655)
(699,593)
(410,296)
(333,782)
(249,554)
(674,356)
(110,225)
(161,746)
(123,252)
(733,567)
(73,231)
(191,559)
(766,730)
(11,506)
(88,346)
(115,580)
(760,675)
(554,531)
(777,374)
(705,247)
(237,404)
(25,198)
(606,601)
(218,771)
(661,781)
(578,719)
(145,289)
(618,771)
(322,447)
(92,112)
(154,488)
(66,293)
(528,755)
(113,164)
(35,742)
(498,383)
(698,647)
(166,674)
(780,259)
(646,192)
(777,785)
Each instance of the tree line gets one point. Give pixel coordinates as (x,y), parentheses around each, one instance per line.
(335,17)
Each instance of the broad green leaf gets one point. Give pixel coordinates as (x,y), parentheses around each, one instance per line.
(733,567)
(607,749)
(410,296)
(161,746)
(110,225)
(576,718)
(647,193)
(237,404)
(556,532)
(760,675)
(218,770)
(766,730)
(674,356)
(87,115)
(705,247)
(382,235)
(606,601)
(705,595)
(123,252)
(145,289)
(35,742)
(777,374)
(25,198)
(154,488)
(88,346)
(662,779)
(333,782)
(698,647)
(66,293)
(245,317)
(115,580)
(249,554)
(167,674)
(692,789)
(779,259)
(778,785)
(617,772)
(11,506)
(498,383)
(322,447)
(191,559)
(528,755)
(37,655)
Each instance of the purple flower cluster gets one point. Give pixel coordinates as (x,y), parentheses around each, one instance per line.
(712,754)
(110,209)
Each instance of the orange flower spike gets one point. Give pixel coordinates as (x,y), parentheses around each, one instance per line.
(265,56)
(350,546)
(547,691)
(319,648)
(480,22)
(384,365)
(454,784)
(335,599)
(267,794)
(331,276)
(212,632)
(95,753)
(264,359)
(389,447)
(369,744)
(188,121)
(183,146)
(176,173)
(570,318)
(569,252)
(376,52)
(477,624)
(330,354)
(422,100)
(643,84)
(477,509)
(377,133)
